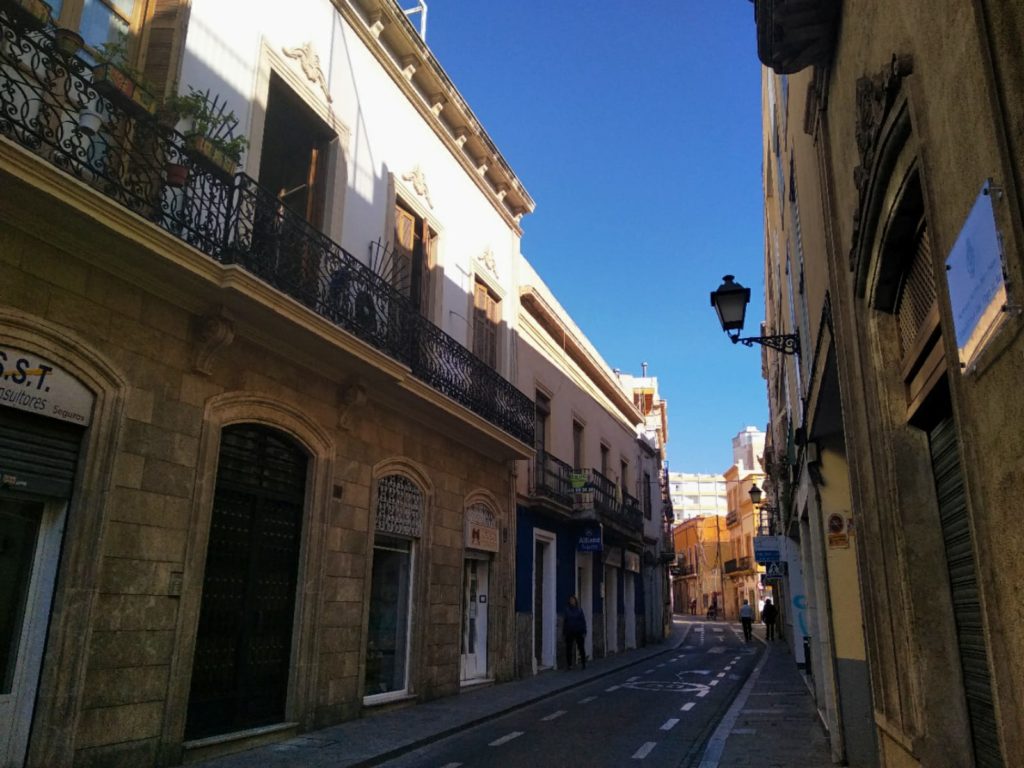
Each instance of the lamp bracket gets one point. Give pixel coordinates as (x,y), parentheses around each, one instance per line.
(786,343)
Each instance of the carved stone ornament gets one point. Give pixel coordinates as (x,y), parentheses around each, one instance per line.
(876,97)
(351,400)
(419,183)
(487,259)
(309,60)
(213,332)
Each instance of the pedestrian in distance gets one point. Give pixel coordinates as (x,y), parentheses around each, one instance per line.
(574,627)
(768,615)
(747,620)
(693,607)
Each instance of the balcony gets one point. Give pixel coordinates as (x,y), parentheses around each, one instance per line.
(551,478)
(739,565)
(794,34)
(731,519)
(624,513)
(52,105)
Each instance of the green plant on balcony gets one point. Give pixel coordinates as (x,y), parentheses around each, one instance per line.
(209,128)
(117,79)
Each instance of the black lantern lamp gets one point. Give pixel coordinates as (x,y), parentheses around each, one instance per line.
(755,494)
(730,302)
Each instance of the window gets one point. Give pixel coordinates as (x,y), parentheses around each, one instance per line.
(604,459)
(623,471)
(647,495)
(97,21)
(543,412)
(577,444)
(399,524)
(486,318)
(415,254)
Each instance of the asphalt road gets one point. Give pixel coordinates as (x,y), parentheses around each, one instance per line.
(657,714)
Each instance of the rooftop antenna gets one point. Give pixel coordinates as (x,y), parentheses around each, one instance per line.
(643,367)
(421,9)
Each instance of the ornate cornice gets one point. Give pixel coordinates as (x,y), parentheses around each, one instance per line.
(310,63)
(876,97)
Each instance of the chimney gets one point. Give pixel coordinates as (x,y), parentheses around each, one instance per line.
(643,367)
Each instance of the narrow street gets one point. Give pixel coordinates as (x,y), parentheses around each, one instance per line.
(660,712)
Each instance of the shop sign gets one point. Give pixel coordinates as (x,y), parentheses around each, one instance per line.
(632,561)
(838,536)
(766,549)
(590,539)
(34,384)
(481,529)
(974,273)
(613,556)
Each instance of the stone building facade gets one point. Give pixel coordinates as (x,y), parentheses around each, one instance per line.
(257,463)
(892,182)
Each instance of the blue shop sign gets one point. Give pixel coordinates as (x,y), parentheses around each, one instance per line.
(590,539)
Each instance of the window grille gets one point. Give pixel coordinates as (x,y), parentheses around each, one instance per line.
(399,507)
(917,294)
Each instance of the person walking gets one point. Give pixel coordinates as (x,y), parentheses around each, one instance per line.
(768,615)
(574,627)
(747,620)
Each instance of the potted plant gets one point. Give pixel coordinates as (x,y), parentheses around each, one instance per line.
(68,41)
(35,13)
(209,127)
(116,79)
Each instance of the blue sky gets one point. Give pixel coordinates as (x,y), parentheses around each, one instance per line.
(635,126)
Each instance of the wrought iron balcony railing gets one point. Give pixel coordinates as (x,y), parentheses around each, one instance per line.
(551,478)
(731,566)
(52,104)
(614,504)
(738,565)
(731,518)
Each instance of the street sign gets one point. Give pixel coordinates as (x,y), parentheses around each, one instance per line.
(776,570)
(766,549)
(590,539)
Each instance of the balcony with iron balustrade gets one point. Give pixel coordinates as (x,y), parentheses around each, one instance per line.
(125,154)
(739,565)
(615,506)
(550,480)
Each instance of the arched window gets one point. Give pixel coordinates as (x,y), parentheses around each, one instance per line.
(399,525)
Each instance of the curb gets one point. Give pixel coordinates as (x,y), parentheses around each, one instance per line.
(439,735)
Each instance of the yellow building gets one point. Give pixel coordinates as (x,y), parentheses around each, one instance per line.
(701,545)
(894,250)
(742,572)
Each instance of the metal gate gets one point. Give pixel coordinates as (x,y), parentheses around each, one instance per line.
(243,643)
(963,582)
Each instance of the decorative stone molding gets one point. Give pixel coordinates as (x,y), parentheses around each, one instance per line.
(487,259)
(213,332)
(437,103)
(351,400)
(376,22)
(419,183)
(876,97)
(409,63)
(461,135)
(501,190)
(309,60)
(482,165)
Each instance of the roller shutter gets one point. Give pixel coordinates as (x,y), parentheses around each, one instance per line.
(38,455)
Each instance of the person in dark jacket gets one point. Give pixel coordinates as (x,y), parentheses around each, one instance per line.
(574,627)
(768,615)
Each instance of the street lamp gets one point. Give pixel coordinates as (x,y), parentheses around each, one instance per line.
(730,302)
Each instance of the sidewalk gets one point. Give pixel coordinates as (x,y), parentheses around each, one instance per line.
(374,739)
(773,722)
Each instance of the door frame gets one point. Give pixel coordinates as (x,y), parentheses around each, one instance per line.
(248,408)
(483,639)
(611,639)
(585,596)
(38,610)
(548,654)
(629,608)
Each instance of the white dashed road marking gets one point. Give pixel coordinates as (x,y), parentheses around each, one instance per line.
(713,682)
(702,694)
(687,706)
(451,765)
(554,715)
(611,688)
(720,674)
(645,750)
(587,700)
(634,677)
(506,738)
(670,724)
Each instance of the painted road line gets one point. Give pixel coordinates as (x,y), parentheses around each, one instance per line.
(702,694)
(587,700)
(714,682)
(554,715)
(649,671)
(716,744)
(506,738)
(634,677)
(670,724)
(687,706)
(452,765)
(720,674)
(645,750)
(611,688)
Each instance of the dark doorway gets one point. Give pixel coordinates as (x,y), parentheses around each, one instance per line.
(243,643)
